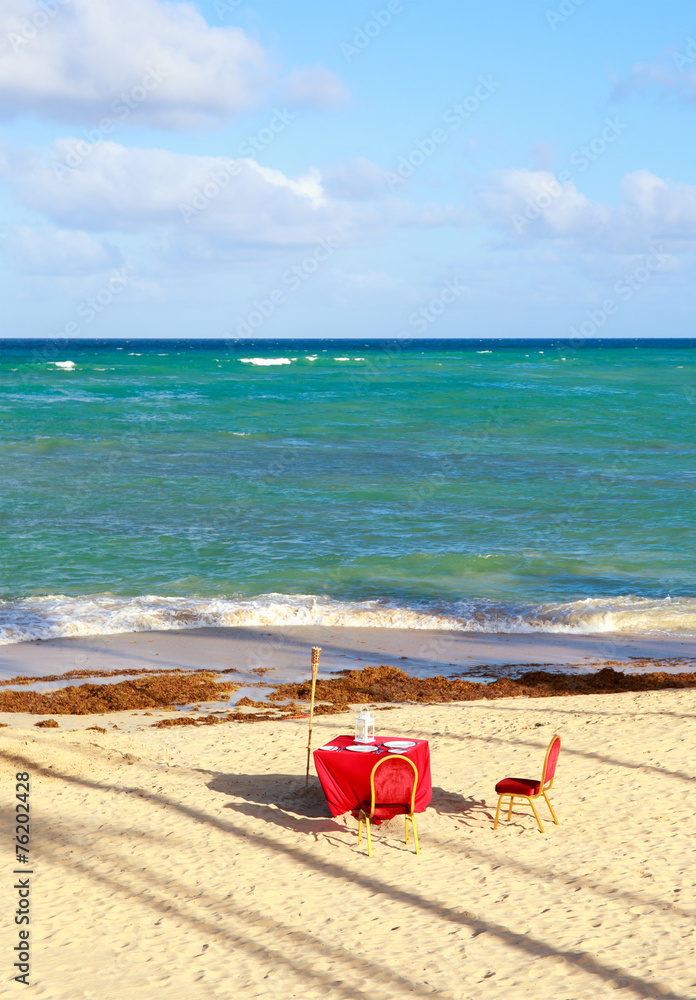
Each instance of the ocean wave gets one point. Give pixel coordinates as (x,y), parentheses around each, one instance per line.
(266,361)
(660,615)
(58,616)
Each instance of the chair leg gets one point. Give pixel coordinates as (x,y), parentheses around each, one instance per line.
(406,825)
(369,837)
(415,833)
(535,813)
(360,829)
(512,799)
(497,812)
(550,808)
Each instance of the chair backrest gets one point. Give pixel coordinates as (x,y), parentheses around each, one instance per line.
(393,782)
(550,761)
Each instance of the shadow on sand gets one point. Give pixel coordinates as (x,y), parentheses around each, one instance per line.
(284,800)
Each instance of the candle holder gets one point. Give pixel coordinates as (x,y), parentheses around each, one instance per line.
(364,726)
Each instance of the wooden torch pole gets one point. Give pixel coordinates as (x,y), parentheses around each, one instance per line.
(316,653)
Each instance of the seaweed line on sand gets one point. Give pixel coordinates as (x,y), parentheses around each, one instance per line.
(383,684)
(130,672)
(161,691)
(389,684)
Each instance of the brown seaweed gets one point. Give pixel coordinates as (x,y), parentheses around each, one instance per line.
(160,691)
(389,684)
(73,675)
(335,694)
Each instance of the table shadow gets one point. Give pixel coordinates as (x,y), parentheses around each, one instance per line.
(284,800)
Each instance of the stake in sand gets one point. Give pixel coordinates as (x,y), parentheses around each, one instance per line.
(316,653)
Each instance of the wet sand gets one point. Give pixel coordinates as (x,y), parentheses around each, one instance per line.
(285,652)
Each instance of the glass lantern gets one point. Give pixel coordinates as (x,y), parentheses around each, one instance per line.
(364,726)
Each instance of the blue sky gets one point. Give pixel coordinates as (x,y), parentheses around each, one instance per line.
(446,169)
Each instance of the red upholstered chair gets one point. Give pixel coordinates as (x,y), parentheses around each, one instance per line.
(528,788)
(393,785)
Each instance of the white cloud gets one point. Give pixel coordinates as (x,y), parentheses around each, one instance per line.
(204,208)
(59,252)
(665,208)
(533,204)
(156,63)
(675,77)
(200,199)
(314,87)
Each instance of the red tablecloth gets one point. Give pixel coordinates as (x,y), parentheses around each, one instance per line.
(345,776)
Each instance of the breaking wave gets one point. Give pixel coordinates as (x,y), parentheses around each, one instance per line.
(58,616)
(266,361)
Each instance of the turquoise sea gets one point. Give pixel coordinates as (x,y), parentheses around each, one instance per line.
(494,485)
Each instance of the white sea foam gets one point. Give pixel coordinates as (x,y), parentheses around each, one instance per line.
(57,616)
(67,365)
(666,615)
(265,361)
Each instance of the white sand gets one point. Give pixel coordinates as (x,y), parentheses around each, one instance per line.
(190,863)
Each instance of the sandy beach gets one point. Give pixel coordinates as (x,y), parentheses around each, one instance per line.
(284,651)
(347,361)
(182,863)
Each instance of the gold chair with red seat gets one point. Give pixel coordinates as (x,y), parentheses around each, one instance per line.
(528,788)
(393,784)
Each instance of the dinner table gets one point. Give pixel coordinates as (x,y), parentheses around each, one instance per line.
(344,768)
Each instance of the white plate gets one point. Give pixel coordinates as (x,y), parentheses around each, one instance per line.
(363,748)
(400,744)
